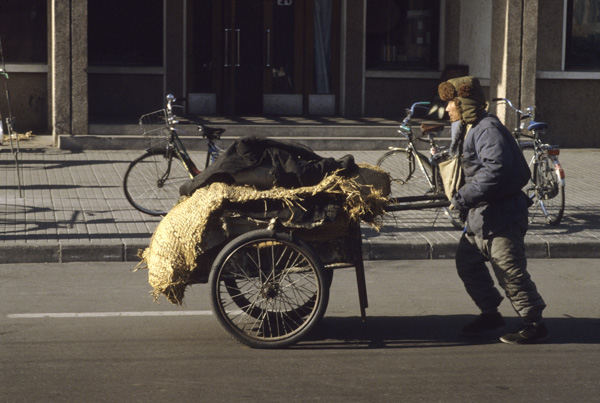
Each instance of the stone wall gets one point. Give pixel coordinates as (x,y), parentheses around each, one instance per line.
(570,107)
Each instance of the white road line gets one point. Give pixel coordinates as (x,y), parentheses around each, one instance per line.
(105,314)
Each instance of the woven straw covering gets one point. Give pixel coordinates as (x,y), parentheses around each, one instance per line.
(188,237)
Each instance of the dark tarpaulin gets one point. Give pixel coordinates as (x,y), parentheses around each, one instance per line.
(264,163)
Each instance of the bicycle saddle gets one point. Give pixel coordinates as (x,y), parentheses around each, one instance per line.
(211,133)
(426,128)
(533,125)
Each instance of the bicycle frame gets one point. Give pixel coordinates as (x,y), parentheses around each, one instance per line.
(541,153)
(405,129)
(152,181)
(176,145)
(536,143)
(430,192)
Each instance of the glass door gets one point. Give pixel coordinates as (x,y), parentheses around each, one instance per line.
(225,56)
(242,57)
(301,38)
(258,57)
(283,70)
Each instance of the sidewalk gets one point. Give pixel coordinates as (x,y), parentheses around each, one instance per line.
(73,209)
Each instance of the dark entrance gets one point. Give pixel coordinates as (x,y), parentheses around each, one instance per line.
(253,57)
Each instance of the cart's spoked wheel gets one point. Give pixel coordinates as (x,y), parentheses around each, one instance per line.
(268,289)
(234,289)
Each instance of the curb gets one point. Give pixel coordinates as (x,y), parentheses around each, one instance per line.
(70,253)
(372,250)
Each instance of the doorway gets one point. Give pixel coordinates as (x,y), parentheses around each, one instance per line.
(262,57)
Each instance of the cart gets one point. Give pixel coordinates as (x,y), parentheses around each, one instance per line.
(269,283)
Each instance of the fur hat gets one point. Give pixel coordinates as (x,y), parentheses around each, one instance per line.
(468,95)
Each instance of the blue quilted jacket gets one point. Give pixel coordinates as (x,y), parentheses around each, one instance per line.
(495,172)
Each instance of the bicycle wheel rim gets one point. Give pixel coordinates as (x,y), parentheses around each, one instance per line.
(152,182)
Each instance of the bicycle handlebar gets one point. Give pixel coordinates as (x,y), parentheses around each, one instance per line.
(211,133)
(410,112)
(522,114)
(419,104)
(423,105)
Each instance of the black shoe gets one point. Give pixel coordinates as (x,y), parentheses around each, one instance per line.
(530,333)
(484,322)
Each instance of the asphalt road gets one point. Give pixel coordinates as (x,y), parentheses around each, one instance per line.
(91,333)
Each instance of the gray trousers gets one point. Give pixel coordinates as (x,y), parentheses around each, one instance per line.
(506,253)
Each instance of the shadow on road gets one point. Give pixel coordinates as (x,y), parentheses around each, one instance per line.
(434,331)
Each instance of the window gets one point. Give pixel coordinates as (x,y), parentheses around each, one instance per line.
(23,31)
(583,35)
(402,34)
(125,33)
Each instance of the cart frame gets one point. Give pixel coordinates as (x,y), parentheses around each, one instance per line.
(269,283)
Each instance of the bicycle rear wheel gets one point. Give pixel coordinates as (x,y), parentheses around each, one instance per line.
(549,191)
(152,182)
(408,178)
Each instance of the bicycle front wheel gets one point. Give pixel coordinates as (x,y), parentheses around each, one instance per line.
(152,182)
(408,178)
(549,191)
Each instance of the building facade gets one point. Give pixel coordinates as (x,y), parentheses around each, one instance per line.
(75,66)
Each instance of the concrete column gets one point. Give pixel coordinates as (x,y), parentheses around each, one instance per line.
(60,67)
(529,52)
(513,59)
(452,33)
(79,64)
(353,59)
(67,68)
(175,49)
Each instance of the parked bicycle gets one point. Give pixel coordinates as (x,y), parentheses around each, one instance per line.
(413,173)
(152,181)
(547,185)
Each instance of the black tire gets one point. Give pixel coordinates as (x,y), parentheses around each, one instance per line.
(152,182)
(549,191)
(407,177)
(268,289)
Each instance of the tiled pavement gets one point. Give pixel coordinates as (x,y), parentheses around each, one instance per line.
(72,208)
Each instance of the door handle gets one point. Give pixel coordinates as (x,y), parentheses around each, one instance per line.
(268,64)
(237,37)
(227,31)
